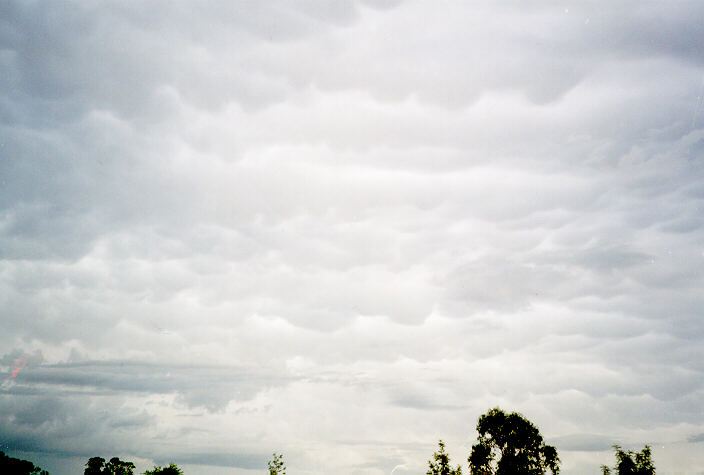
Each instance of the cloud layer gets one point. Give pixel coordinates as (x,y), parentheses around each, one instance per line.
(344,230)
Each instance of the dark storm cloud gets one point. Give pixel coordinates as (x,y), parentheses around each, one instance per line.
(75,426)
(206,386)
(78,428)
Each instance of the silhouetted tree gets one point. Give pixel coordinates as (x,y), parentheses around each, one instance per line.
(510,444)
(94,466)
(172,469)
(631,463)
(440,465)
(97,466)
(276,465)
(12,466)
(118,467)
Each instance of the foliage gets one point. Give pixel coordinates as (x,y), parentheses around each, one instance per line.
(98,466)
(510,444)
(276,465)
(172,469)
(12,466)
(631,463)
(440,465)
(117,467)
(94,466)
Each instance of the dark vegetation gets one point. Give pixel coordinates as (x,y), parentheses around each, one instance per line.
(172,469)
(508,444)
(629,462)
(440,465)
(98,466)
(13,466)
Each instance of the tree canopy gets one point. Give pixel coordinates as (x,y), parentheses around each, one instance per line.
(98,466)
(510,444)
(172,469)
(631,463)
(440,465)
(13,466)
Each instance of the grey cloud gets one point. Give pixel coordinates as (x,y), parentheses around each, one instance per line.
(423,404)
(241,460)
(98,427)
(609,258)
(582,442)
(76,426)
(206,386)
(65,55)
(641,30)
(27,359)
(238,218)
(559,47)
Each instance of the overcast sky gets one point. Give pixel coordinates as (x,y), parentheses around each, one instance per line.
(342,230)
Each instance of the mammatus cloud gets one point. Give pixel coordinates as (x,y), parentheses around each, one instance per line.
(345,231)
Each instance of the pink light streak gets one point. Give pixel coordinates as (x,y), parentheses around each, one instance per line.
(17,366)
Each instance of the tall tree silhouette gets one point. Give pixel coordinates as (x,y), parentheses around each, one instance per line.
(510,444)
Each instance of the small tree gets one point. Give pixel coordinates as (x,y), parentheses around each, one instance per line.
(172,469)
(510,444)
(631,463)
(276,465)
(440,465)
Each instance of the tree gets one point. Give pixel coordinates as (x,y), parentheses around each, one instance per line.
(440,465)
(97,466)
(172,469)
(510,444)
(12,466)
(632,463)
(94,466)
(118,467)
(276,465)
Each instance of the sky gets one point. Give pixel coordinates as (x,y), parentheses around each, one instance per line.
(342,230)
